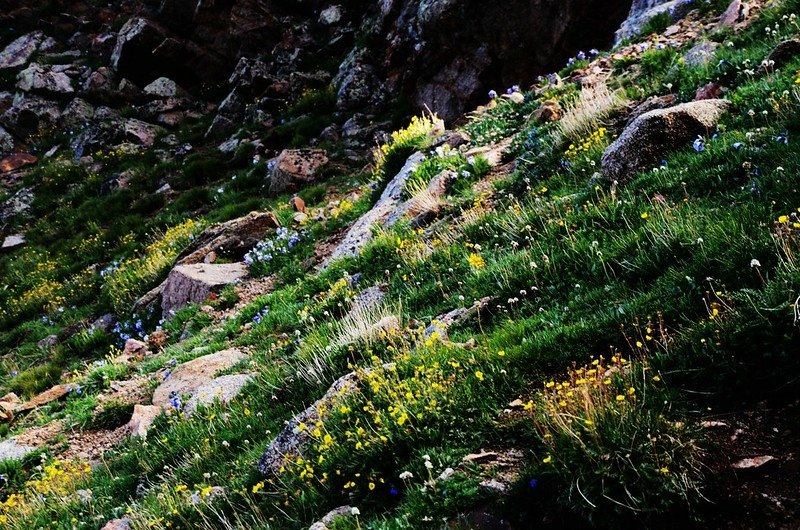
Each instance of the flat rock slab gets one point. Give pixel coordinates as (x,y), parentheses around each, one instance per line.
(52,394)
(189,377)
(19,51)
(193,283)
(10,450)
(12,242)
(223,388)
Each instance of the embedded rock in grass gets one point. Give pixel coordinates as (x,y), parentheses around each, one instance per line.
(10,450)
(293,437)
(294,168)
(425,205)
(330,518)
(135,349)
(651,103)
(53,394)
(143,417)
(13,241)
(369,298)
(48,342)
(701,53)
(784,52)
(549,111)
(47,79)
(652,135)
(19,52)
(223,388)
(118,524)
(457,316)
(711,90)
(190,376)
(360,233)
(194,283)
(233,238)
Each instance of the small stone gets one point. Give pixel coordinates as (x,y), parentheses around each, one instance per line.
(142,418)
(298,204)
(549,111)
(118,524)
(752,463)
(162,87)
(709,91)
(13,241)
(330,15)
(16,161)
(136,349)
(483,456)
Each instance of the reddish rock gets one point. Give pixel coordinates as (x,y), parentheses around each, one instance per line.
(53,394)
(549,111)
(295,168)
(17,161)
(136,349)
(710,91)
(298,204)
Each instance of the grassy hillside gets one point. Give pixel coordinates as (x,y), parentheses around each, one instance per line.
(614,324)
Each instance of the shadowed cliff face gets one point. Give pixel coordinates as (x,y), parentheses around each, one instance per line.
(440,54)
(453,51)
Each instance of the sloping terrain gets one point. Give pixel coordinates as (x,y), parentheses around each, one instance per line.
(575,308)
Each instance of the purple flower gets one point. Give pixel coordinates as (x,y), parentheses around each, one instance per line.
(581,56)
(699,145)
(492,94)
(594,51)
(783,138)
(738,145)
(533,483)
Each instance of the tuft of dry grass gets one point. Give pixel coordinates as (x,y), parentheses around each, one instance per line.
(588,112)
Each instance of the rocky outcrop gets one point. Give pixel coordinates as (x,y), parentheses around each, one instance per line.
(188,377)
(655,133)
(292,438)
(295,168)
(232,239)
(188,284)
(642,11)
(360,233)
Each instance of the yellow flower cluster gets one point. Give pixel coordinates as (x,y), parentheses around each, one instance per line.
(57,479)
(419,128)
(586,144)
(125,283)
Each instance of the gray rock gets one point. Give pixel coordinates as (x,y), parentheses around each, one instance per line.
(189,377)
(330,15)
(222,389)
(118,524)
(360,233)
(19,52)
(369,298)
(13,241)
(188,284)
(6,141)
(291,439)
(10,450)
(701,53)
(139,132)
(78,112)
(642,11)
(736,16)
(17,204)
(46,79)
(30,115)
(48,342)
(653,134)
(784,52)
(163,87)
(329,518)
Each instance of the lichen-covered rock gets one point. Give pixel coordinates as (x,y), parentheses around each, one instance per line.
(46,79)
(222,389)
(188,377)
(194,283)
(650,136)
(19,51)
(360,233)
(642,11)
(30,115)
(163,87)
(233,238)
(295,168)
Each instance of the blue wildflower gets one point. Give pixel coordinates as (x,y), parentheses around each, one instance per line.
(394,491)
(533,483)
(492,94)
(738,145)
(699,144)
(581,56)
(783,138)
